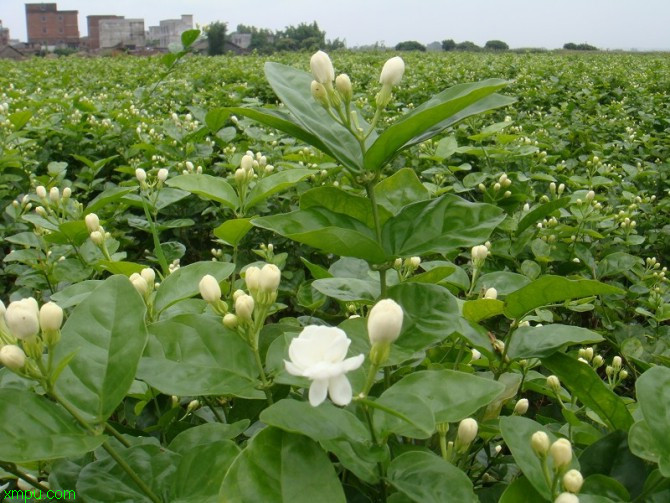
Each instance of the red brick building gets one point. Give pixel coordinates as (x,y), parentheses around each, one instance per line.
(4,35)
(49,26)
(93,23)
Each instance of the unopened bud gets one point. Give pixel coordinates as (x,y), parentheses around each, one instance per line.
(561,453)
(162,174)
(553,383)
(51,317)
(12,357)
(209,288)
(54,194)
(141,175)
(491,293)
(230,321)
(252,278)
(573,481)
(343,85)
(521,407)
(319,94)
(540,443)
(41,192)
(244,306)
(92,222)
(566,498)
(269,278)
(385,321)
(467,431)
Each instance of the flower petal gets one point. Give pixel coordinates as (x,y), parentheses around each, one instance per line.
(318,391)
(337,349)
(339,389)
(352,363)
(293,369)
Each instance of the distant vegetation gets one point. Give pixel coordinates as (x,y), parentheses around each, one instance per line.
(410,45)
(579,47)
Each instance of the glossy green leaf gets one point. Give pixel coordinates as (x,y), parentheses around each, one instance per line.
(325,422)
(120,267)
(434,275)
(192,355)
(233,231)
(188,37)
(520,490)
(360,458)
(277,466)
(201,470)
(216,119)
(585,384)
(517,432)
(207,186)
(327,231)
(425,477)
(412,416)
(343,202)
(399,190)
(604,487)
(104,481)
(434,111)
(277,182)
(653,394)
(74,294)
(480,309)
(107,333)
(504,282)
(439,226)
(206,433)
(20,119)
(541,212)
(348,289)
(33,428)
(292,86)
(551,289)
(183,283)
(540,342)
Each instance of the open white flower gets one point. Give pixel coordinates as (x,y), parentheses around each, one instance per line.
(319,353)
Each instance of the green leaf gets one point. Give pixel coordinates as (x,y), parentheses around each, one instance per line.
(325,422)
(348,289)
(233,231)
(74,294)
(343,202)
(585,384)
(274,183)
(517,432)
(183,283)
(34,429)
(520,490)
(108,334)
(201,470)
(617,263)
(292,86)
(653,394)
(206,433)
(195,355)
(120,267)
(434,275)
(277,466)
(20,119)
(425,477)
(188,37)
(552,289)
(108,196)
(603,486)
(439,226)
(327,231)
(283,122)
(208,187)
(104,481)
(480,309)
(541,212)
(504,282)
(540,342)
(399,190)
(431,113)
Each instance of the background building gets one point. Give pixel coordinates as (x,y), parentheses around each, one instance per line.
(93,24)
(4,35)
(242,40)
(52,27)
(169,31)
(121,32)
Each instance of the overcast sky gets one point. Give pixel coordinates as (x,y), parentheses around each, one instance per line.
(624,24)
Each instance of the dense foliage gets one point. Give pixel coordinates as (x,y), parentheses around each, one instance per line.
(519,220)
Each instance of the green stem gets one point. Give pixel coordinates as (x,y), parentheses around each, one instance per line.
(547,475)
(369,382)
(443,445)
(11,468)
(157,243)
(373,436)
(212,407)
(370,190)
(116,434)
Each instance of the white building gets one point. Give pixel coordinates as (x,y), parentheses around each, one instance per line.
(242,40)
(169,30)
(128,32)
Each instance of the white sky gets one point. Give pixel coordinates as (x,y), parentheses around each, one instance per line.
(613,24)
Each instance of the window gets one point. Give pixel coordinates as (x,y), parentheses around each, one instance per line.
(60,18)
(60,30)
(44,30)
(44,19)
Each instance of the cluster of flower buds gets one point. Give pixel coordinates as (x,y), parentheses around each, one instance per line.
(322,88)
(251,167)
(615,372)
(160,176)
(556,191)
(24,322)
(263,283)
(51,198)
(478,255)
(96,231)
(144,281)
(408,266)
(560,453)
(588,356)
(189,169)
(173,266)
(496,189)
(4,108)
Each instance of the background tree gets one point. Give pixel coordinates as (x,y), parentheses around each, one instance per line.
(448,45)
(496,45)
(467,46)
(304,37)
(216,38)
(410,45)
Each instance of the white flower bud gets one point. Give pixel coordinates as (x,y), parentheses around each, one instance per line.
(240,176)
(623,374)
(247,163)
(162,174)
(491,293)
(554,383)
(209,288)
(230,321)
(561,453)
(269,278)
(566,498)
(343,85)
(252,278)
(561,188)
(322,67)
(479,253)
(526,207)
(92,222)
(41,211)
(476,355)
(467,431)
(244,306)
(269,169)
(598,361)
(22,318)
(616,363)
(51,317)
(496,187)
(140,284)
(12,357)
(588,353)
(540,443)
(141,175)
(41,192)
(67,192)
(590,195)
(238,293)
(552,187)
(97,237)
(319,94)
(392,72)
(149,275)
(572,481)
(54,194)
(415,262)
(521,407)
(385,321)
